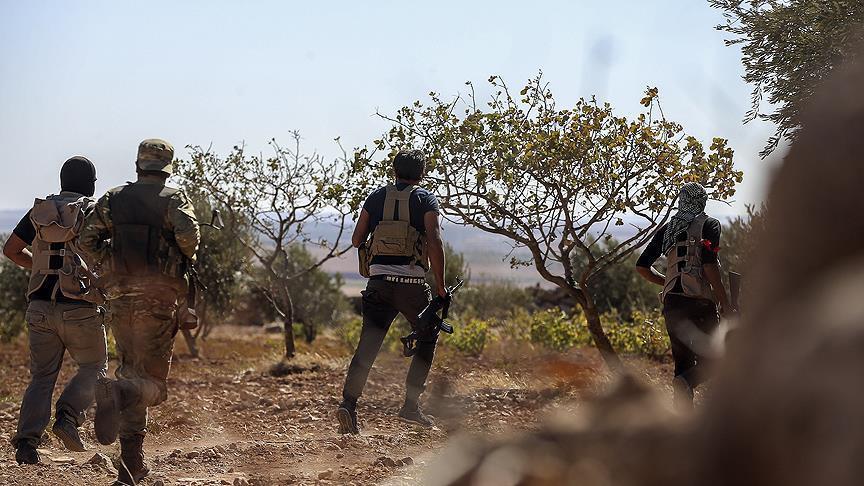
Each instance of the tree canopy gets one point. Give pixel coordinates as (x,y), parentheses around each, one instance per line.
(788,48)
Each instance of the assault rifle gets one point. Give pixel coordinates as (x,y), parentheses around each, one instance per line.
(429,320)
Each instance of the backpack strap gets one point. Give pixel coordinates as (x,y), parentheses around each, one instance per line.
(394,196)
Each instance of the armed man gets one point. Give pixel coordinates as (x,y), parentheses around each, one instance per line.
(63,312)
(402,219)
(145,236)
(692,287)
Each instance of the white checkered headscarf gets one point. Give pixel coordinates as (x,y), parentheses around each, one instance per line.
(691,203)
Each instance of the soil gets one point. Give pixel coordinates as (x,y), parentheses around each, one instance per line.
(232,418)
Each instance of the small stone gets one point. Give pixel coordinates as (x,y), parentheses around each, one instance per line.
(99,459)
(157,482)
(325,474)
(386,461)
(63,460)
(241,482)
(407,461)
(192,454)
(340,456)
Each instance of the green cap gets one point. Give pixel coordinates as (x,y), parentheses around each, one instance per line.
(155,154)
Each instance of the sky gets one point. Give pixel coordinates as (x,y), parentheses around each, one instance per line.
(94,78)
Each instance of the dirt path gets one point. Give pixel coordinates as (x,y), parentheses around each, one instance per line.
(228,420)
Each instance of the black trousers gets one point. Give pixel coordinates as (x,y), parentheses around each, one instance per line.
(382,302)
(690,323)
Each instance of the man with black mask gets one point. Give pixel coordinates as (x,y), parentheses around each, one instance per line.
(63,312)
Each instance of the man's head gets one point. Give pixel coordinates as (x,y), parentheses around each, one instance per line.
(155,156)
(409,165)
(78,175)
(692,198)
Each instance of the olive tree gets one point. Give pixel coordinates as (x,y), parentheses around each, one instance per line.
(282,198)
(788,48)
(554,181)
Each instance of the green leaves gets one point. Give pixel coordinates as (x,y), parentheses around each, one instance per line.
(788,49)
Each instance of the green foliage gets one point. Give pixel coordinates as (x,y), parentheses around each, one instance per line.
(555,330)
(221,263)
(455,267)
(741,238)
(645,334)
(317,295)
(469,336)
(492,300)
(619,288)
(788,48)
(13,298)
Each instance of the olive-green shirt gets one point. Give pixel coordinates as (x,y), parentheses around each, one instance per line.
(180,218)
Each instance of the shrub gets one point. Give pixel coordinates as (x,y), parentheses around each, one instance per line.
(469,337)
(13,300)
(644,335)
(553,329)
(492,300)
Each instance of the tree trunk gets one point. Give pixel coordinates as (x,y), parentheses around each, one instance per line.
(598,335)
(288,322)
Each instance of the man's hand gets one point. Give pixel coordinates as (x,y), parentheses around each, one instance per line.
(435,246)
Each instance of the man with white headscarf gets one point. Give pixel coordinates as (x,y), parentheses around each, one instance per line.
(693,291)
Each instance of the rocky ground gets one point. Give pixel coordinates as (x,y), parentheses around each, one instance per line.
(232,418)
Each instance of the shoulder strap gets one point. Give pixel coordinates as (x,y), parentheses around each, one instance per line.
(393,196)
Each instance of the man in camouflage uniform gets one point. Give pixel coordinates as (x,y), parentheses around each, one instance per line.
(145,235)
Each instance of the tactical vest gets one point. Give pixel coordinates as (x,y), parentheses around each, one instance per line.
(141,245)
(57,220)
(688,268)
(397,237)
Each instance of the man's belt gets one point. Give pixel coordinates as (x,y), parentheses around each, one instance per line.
(397,279)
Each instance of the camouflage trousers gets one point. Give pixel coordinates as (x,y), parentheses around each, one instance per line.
(54,328)
(144,327)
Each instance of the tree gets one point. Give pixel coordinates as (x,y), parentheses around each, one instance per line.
(221,262)
(13,296)
(281,198)
(555,180)
(618,288)
(318,297)
(788,48)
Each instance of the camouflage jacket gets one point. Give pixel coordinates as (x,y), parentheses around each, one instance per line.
(179,220)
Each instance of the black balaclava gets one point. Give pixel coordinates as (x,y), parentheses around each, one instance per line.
(78,175)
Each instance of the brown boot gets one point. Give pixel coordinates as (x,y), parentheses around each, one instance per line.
(132,468)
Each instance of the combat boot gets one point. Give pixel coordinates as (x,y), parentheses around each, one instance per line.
(25,453)
(66,429)
(106,422)
(346,414)
(131,469)
(412,414)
